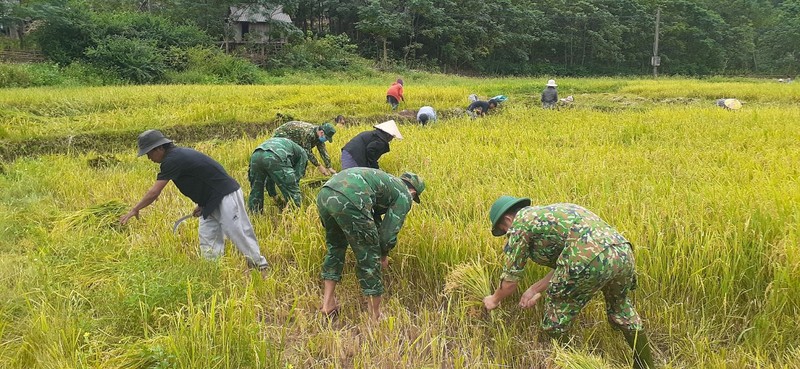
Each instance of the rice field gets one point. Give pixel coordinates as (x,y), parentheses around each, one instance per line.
(708,197)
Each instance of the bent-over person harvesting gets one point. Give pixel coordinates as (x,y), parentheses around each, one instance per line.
(587,256)
(350,206)
(276,162)
(309,136)
(219,199)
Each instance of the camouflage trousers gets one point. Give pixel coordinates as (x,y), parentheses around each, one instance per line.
(268,170)
(346,224)
(613,272)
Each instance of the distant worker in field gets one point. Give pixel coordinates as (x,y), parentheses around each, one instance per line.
(367,147)
(550,95)
(339,120)
(350,206)
(219,199)
(729,104)
(308,136)
(587,255)
(426,114)
(395,94)
(278,162)
(480,108)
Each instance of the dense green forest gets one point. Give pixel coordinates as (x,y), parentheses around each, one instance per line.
(500,37)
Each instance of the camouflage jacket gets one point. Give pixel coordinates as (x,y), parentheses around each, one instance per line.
(376,192)
(284,148)
(558,235)
(305,135)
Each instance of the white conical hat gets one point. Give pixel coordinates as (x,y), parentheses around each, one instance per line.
(390,127)
(733,104)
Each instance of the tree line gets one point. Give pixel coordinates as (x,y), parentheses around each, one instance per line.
(503,37)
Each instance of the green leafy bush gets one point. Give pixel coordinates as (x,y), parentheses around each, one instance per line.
(14,76)
(65,33)
(334,53)
(136,47)
(50,74)
(143,26)
(204,65)
(136,60)
(85,74)
(29,75)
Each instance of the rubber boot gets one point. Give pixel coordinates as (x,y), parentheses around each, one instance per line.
(642,357)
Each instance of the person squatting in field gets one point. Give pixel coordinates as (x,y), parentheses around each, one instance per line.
(550,95)
(587,255)
(219,199)
(308,136)
(426,114)
(729,104)
(277,161)
(367,147)
(339,120)
(350,205)
(481,108)
(395,94)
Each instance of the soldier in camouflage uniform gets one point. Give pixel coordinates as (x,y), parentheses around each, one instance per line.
(587,255)
(350,206)
(309,136)
(277,161)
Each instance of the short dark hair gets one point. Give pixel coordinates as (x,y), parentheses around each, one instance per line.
(493,102)
(423,118)
(339,118)
(167,146)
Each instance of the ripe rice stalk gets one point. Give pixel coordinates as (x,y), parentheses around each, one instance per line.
(470,282)
(94,218)
(570,358)
(313,182)
(708,197)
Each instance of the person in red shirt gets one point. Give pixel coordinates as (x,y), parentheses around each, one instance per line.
(395,94)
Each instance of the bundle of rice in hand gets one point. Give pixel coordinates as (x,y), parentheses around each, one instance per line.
(470,282)
(314,182)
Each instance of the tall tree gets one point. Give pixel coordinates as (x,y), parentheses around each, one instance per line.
(693,38)
(782,40)
(384,20)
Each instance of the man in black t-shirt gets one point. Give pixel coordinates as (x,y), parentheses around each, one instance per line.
(218,197)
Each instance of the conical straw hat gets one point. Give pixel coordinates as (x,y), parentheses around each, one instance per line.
(391,128)
(733,104)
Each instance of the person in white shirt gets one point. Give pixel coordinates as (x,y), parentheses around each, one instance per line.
(425,114)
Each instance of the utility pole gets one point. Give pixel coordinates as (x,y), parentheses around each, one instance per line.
(655,61)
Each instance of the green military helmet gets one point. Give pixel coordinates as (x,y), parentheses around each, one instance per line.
(416,182)
(329,131)
(501,206)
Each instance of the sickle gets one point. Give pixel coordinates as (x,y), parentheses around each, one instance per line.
(179,221)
